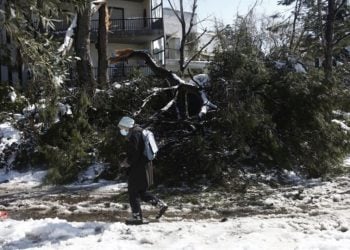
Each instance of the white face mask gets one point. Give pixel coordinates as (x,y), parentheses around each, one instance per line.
(124,132)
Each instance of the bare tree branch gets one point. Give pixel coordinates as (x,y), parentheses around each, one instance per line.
(202,20)
(193,13)
(197,38)
(340,6)
(296,15)
(158,70)
(166,107)
(181,87)
(148,98)
(174,10)
(199,52)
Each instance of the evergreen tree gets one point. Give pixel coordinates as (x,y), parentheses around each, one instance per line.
(324,34)
(272,116)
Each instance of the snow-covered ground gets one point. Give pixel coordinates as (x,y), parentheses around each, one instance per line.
(13,179)
(256,232)
(310,215)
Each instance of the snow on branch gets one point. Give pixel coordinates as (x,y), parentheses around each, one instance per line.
(156,91)
(196,86)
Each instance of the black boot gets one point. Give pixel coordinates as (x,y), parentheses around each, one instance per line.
(162,208)
(135,219)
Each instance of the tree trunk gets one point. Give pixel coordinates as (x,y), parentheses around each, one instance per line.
(82,50)
(40,4)
(296,16)
(102,46)
(186,33)
(183,39)
(329,32)
(19,63)
(10,60)
(8,47)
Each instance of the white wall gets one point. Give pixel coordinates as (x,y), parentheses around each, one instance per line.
(209,50)
(172,26)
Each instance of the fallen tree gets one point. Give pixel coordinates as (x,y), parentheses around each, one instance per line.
(182,91)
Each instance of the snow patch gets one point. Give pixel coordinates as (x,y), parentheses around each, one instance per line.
(341,124)
(8,135)
(243,233)
(12,96)
(24,180)
(91,173)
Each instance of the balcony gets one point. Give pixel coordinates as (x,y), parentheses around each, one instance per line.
(124,72)
(116,73)
(136,30)
(131,30)
(172,57)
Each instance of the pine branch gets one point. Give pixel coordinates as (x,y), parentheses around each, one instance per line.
(338,40)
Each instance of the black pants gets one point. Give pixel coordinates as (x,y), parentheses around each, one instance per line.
(135,196)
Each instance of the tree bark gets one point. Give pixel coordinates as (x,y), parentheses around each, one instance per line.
(40,4)
(102,46)
(296,16)
(82,50)
(329,33)
(185,31)
(183,39)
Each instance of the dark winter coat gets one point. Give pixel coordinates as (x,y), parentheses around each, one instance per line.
(141,170)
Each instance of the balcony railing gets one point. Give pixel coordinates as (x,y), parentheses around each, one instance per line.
(131,24)
(115,73)
(174,54)
(123,72)
(120,25)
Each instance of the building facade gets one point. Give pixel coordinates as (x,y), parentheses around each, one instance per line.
(134,24)
(12,69)
(173,36)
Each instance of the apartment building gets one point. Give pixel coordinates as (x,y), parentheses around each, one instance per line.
(143,25)
(12,69)
(134,24)
(173,36)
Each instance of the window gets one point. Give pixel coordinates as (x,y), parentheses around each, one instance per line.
(116,13)
(157,10)
(158,50)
